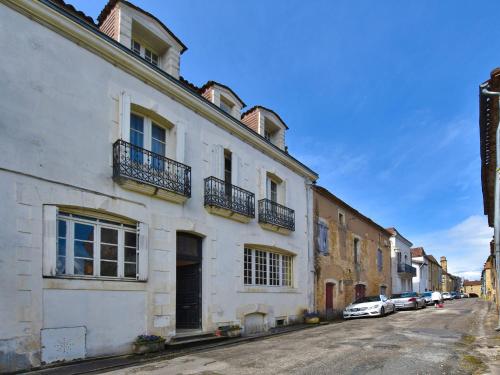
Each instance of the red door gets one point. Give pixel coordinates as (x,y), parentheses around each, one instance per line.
(360,291)
(329,296)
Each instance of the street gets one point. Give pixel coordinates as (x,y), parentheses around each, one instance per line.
(458,339)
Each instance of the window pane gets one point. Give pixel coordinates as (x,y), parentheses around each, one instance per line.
(130,270)
(286,270)
(109,252)
(61,247)
(260,267)
(109,268)
(109,235)
(130,239)
(136,137)
(84,249)
(247,268)
(61,265)
(84,267)
(274,269)
(130,254)
(158,133)
(61,228)
(84,232)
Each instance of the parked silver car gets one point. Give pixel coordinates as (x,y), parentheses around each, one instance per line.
(428,298)
(408,300)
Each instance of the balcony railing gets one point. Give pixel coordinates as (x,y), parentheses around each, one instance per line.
(218,193)
(273,213)
(406,268)
(146,167)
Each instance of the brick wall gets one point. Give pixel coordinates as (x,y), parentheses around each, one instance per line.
(110,26)
(252,121)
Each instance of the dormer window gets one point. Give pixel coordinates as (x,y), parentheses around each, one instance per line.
(267,123)
(146,53)
(226,105)
(267,135)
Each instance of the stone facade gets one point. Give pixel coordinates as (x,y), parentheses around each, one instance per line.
(472,286)
(347,262)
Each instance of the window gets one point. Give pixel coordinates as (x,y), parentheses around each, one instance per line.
(144,133)
(267,268)
(273,188)
(225,105)
(380,263)
(151,57)
(144,52)
(341,219)
(136,47)
(227,167)
(356,251)
(322,238)
(399,255)
(95,247)
(267,134)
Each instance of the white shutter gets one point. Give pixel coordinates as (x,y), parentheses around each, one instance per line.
(235,172)
(142,271)
(49,240)
(218,161)
(125,116)
(263,183)
(181,143)
(286,193)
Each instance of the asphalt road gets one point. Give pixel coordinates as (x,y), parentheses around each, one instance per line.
(428,341)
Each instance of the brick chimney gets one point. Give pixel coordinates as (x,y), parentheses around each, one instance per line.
(444,264)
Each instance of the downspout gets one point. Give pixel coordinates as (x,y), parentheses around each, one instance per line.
(310,247)
(485,91)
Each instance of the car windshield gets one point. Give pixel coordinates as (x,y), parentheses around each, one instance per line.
(368,299)
(404,295)
(427,294)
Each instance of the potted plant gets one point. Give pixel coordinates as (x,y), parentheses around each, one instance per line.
(229,331)
(148,344)
(311,317)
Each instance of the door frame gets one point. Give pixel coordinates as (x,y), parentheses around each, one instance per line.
(199,261)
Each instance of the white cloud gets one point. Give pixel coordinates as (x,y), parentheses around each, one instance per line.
(466,245)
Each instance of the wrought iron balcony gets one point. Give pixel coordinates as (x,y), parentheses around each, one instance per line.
(275,214)
(407,269)
(220,194)
(133,163)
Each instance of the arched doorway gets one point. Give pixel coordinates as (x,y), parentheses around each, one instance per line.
(188,281)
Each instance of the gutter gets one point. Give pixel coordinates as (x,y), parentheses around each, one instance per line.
(485,91)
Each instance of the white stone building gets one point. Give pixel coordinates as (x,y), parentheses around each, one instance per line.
(133,202)
(401,269)
(421,282)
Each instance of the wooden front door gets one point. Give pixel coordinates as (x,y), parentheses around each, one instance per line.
(188,281)
(329,296)
(360,291)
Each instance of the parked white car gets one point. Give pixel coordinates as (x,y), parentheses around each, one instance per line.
(369,306)
(447,296)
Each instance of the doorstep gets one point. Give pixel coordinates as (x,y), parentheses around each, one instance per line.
(101,364)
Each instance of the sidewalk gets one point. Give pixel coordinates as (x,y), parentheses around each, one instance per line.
(486,347)
(97,365)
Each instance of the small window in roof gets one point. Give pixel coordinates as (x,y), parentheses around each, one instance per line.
(226,105)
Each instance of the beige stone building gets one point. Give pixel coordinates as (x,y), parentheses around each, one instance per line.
(352,257)
(472,286)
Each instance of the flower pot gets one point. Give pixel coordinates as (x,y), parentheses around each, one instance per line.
(148,347)
(312,320)
(233,333)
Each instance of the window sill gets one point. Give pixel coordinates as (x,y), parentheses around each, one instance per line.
(92,283)
(268,289)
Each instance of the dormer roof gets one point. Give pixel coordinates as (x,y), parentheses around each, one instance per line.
(259,107)
(210,84)
(112,3)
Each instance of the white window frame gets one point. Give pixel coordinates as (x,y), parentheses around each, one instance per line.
(148,131)
(143,49)
(284,280)
(97,224)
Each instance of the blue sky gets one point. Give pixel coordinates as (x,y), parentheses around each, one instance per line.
(381,99)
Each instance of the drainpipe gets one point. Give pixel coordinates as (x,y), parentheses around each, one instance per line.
(485,91)
(311,274)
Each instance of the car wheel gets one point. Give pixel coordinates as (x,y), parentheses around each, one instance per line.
(382,311)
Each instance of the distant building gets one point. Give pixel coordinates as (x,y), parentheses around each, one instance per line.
(401,263)
(352,257)
(420,260)
(472,286)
